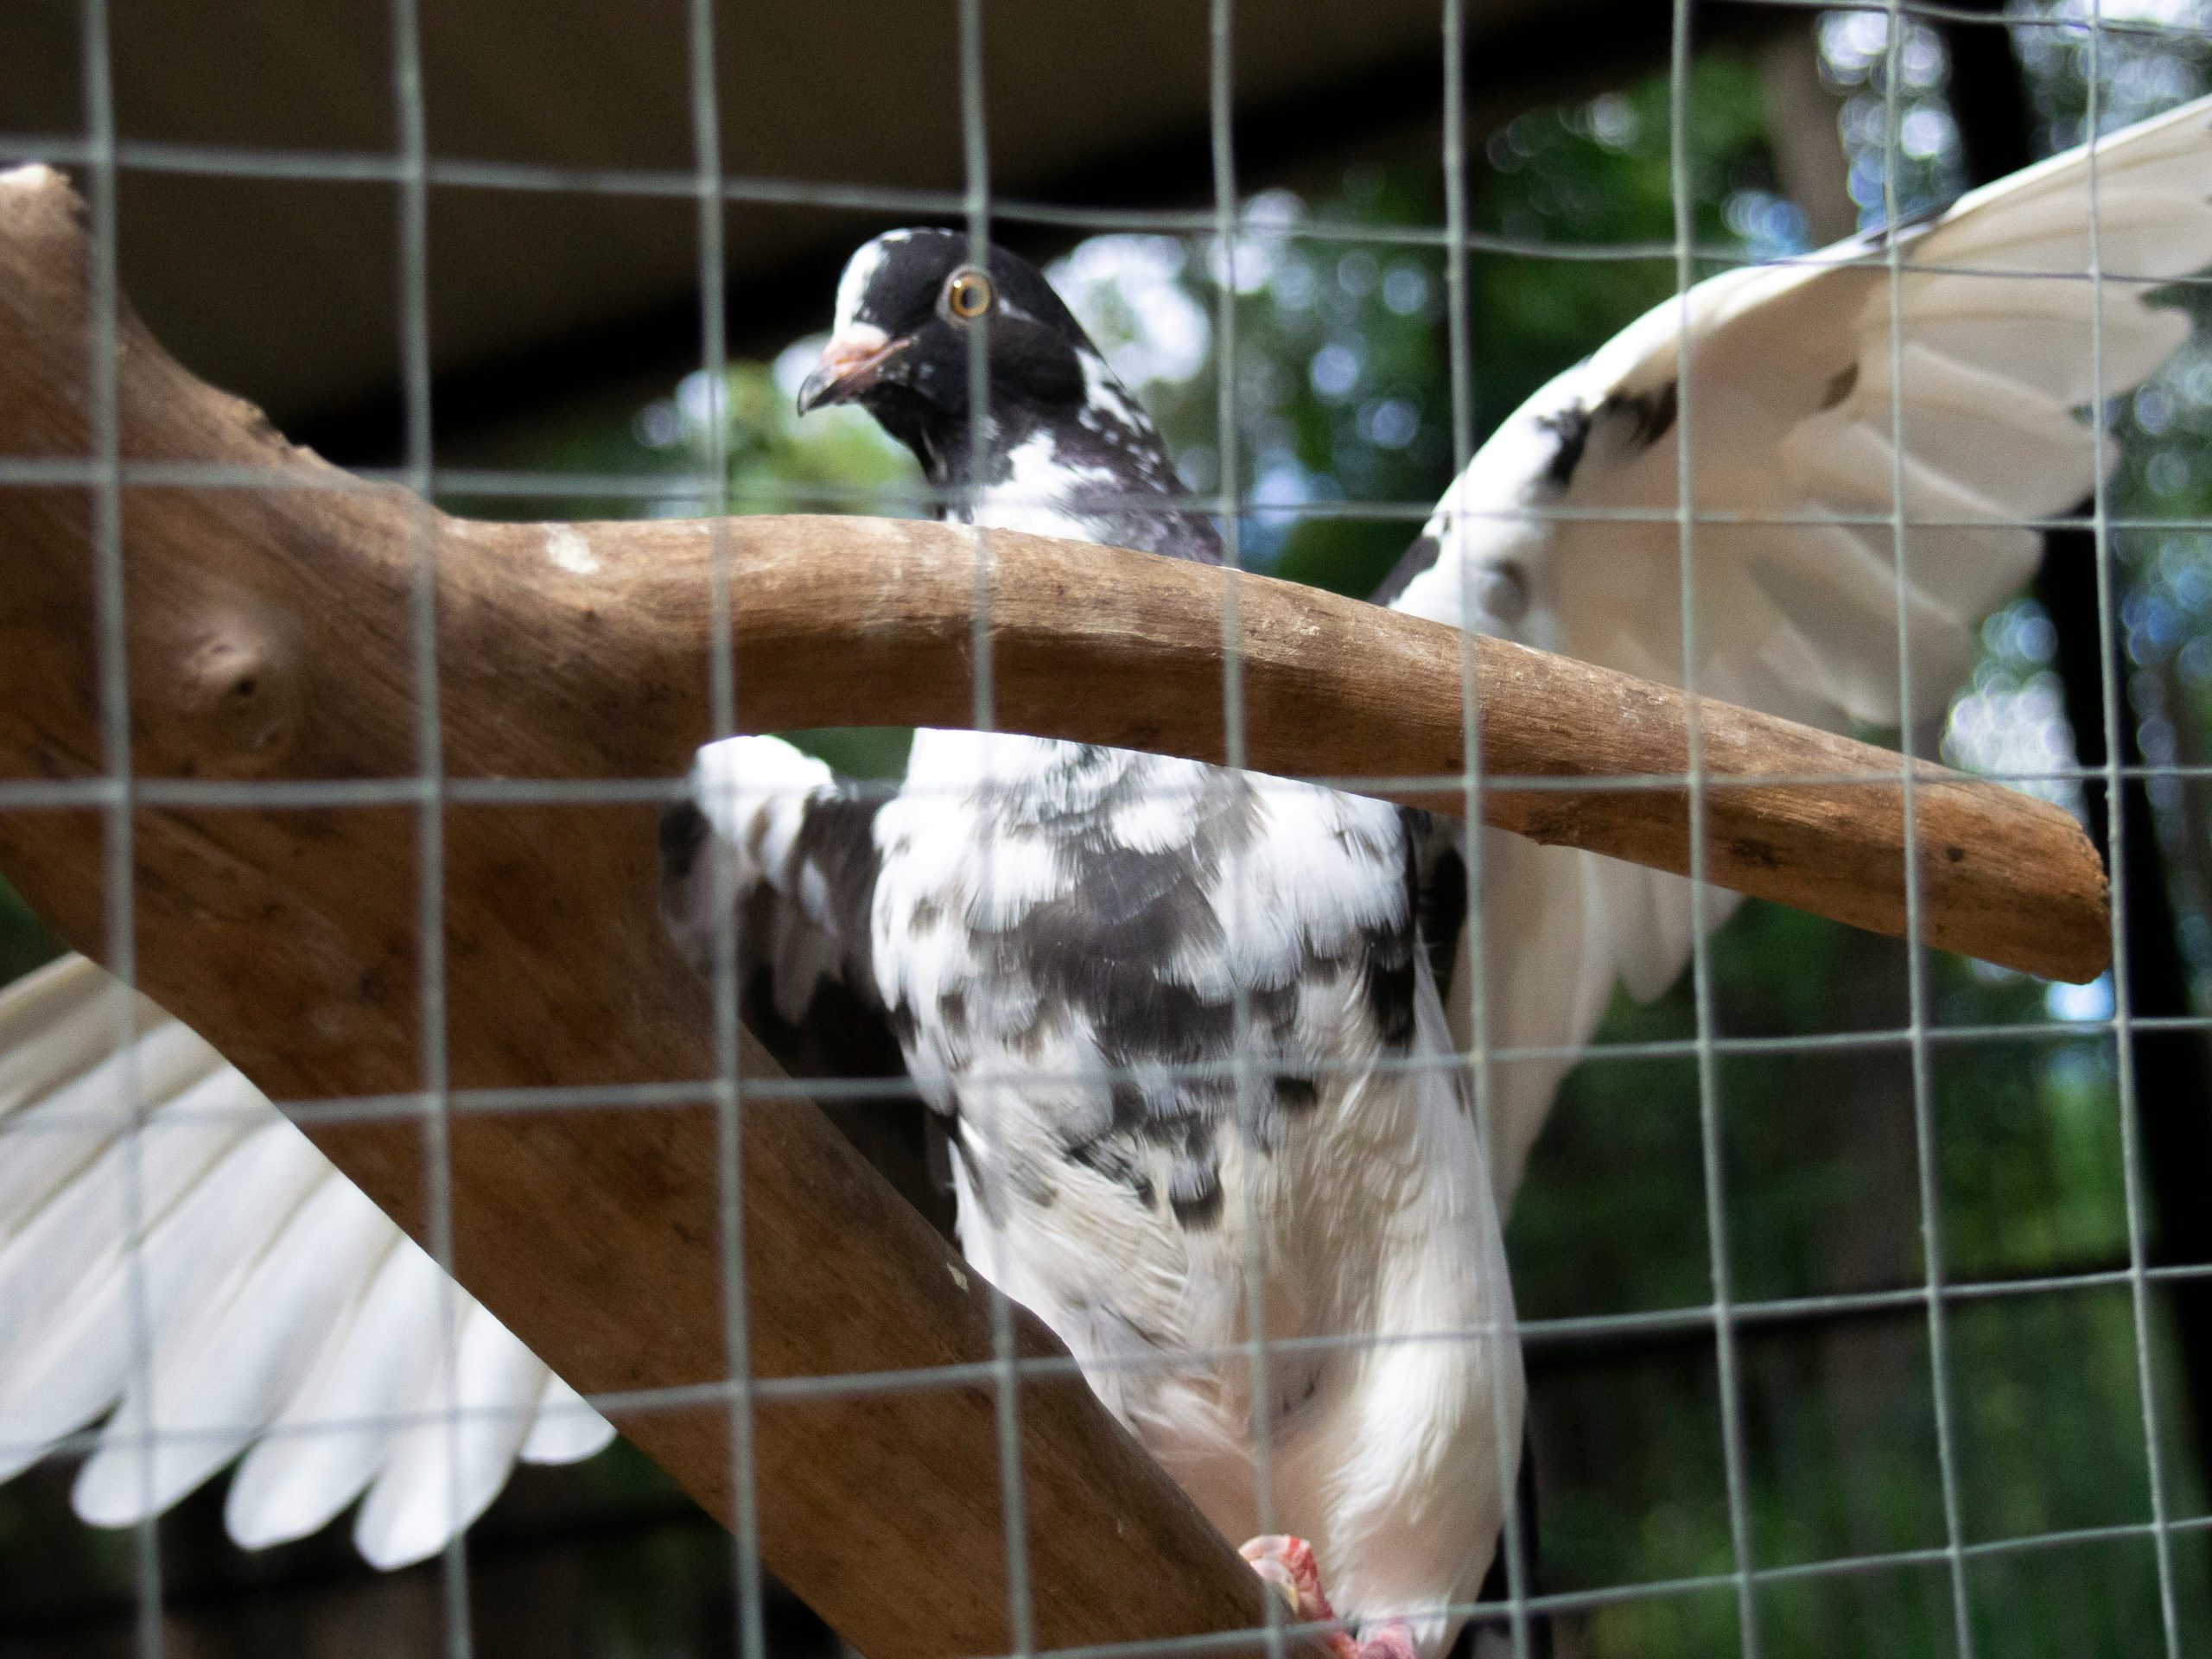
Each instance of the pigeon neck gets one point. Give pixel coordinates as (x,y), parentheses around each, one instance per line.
(1096,472)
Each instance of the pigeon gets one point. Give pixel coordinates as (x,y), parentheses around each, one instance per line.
(1792,374)
(1129,1001)
(1175,1020)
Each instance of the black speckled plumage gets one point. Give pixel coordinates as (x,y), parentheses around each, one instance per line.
(1167,1013)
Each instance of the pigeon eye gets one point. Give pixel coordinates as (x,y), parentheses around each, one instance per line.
(1503,592)
(968,296)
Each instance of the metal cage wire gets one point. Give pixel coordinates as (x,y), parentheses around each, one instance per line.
(102,155)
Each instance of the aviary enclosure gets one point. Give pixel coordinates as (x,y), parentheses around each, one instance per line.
(1858,1275)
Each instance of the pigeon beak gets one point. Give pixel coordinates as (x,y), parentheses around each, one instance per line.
(851,363)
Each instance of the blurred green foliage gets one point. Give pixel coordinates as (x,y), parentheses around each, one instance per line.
(656,461)
(24,941)
(1343,353)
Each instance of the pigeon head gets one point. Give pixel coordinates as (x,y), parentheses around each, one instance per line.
(1067,451)
(907,307)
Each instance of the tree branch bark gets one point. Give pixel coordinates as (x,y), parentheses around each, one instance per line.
(571,651)
(269,631)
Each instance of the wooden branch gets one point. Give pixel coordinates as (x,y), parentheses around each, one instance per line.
(270,636)
(269,639)
(567,651)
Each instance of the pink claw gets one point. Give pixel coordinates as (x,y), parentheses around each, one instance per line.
(1287,1563)
(1394,1639)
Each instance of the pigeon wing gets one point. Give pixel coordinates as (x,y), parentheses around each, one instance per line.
(1834,409)
(268,1307)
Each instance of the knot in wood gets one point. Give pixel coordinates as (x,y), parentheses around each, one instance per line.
(239,696)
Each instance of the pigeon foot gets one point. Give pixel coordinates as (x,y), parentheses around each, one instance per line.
(1287,1563)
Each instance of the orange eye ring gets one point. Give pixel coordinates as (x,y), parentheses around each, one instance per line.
(968,295)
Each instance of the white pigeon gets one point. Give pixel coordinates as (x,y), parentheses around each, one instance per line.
(1174,1019)
(1790,397)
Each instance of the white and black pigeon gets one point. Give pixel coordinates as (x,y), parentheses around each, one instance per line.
(1064,935)
(1789,397)
(1173,1017)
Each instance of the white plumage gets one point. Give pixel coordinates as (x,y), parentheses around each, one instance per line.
(282,1310)
(1348,1168)
(1997,326)
(290,1319)
(1372,1210)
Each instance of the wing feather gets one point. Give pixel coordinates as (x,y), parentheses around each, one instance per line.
(565,1430)
(331,1437)
(445,1468)
(287,1317)
(67,1281)
(1803,379)
(766,820)
(215,1385)
(775,836)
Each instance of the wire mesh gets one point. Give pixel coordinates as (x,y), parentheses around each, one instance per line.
(416,172)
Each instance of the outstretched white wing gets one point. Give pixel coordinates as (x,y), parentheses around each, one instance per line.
(282,1315)
(267,1307)
(1832,410)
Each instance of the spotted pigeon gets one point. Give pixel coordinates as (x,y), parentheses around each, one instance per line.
(279,1300)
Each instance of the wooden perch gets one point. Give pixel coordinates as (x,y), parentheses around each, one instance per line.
(270,636)
(573,650)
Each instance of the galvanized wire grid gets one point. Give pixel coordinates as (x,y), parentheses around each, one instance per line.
(100,155)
